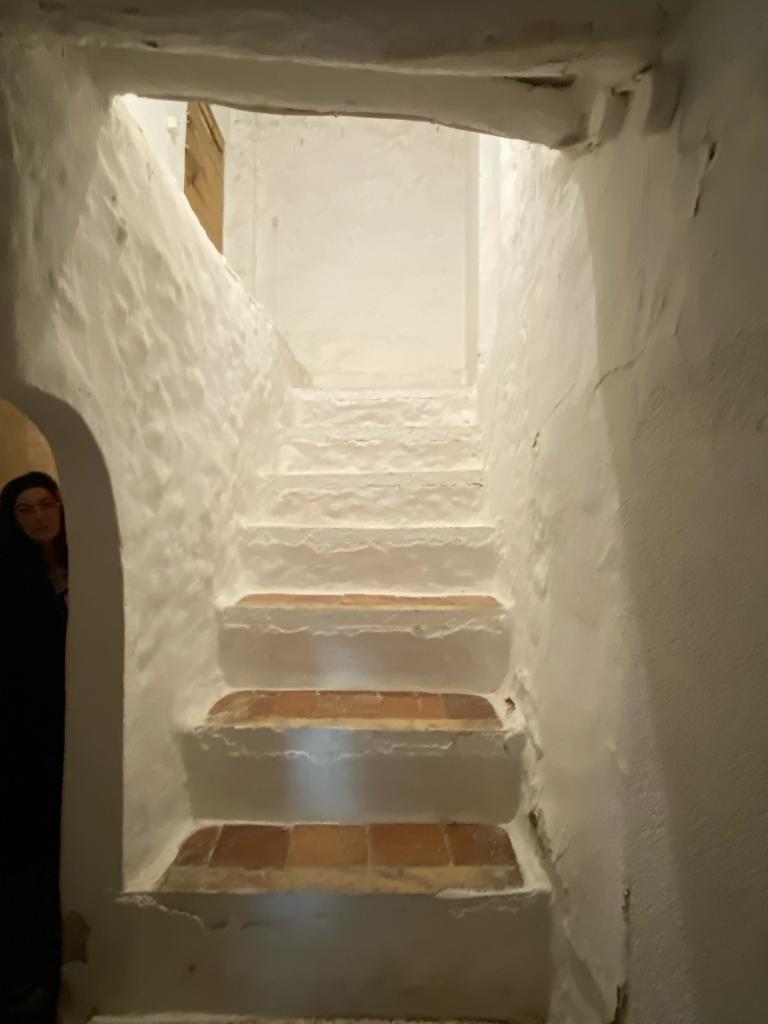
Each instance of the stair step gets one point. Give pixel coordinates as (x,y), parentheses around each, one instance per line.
(333,409)
(438,558)
(347,600)
(356,709)
(404,451)
(348,756)
(386,857)
(331,641)
(382,498)
(391,921)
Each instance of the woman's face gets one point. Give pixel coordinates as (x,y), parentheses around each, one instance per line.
(38,513)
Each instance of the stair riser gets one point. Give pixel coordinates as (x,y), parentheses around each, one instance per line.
(310,455)
(339,775)
(352,381)
(392,503)
(364,560)
(325,955)
(328,413)
(339,649)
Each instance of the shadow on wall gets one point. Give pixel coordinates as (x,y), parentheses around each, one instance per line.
(683,360)
(23,448)
(92,817)
(93,770)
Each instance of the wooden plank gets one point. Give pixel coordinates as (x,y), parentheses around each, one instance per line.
(212,125)
(204,170)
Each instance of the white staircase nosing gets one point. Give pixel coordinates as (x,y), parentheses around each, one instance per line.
(346,771)
(401,647)
(440,432)
(324,408)
(420,476)
(380,395)
(369,526)
(371,478)
(379,452)
(429,559)
(342,590)
(398,497)
(278,528)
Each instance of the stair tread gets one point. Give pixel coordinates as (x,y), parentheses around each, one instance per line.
(378,434)
(351,600)
(382,477)
(390,857)
(310,394)
(355,709)
(396,530)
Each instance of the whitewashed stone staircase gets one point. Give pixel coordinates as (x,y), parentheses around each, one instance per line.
(366,665)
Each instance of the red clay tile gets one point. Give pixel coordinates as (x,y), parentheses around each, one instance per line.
(432,705)
(479,845)
(295,703)
(347,704)
(231,702)
(251,847)
(411,705)
(400,705)
(241,706)
(328,846)
(408,845)
(196,849)
(464,705)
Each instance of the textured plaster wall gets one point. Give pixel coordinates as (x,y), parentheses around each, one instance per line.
(553,482)
(164,124)
(153,372)
(630,459)
(22,446)
(354,234)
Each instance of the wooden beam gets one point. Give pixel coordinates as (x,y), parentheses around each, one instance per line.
(483,37)
(555,117)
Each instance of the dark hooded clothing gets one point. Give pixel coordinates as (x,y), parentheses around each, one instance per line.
(33,620)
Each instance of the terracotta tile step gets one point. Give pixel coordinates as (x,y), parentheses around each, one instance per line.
(397,858)
(403,601)
(355,708)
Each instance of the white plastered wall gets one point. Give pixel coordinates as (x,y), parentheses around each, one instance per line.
(353,232)
(629,459)
(160,385)
(22,447)
(164,125)
(552,482)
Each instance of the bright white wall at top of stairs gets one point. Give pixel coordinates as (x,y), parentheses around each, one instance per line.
(164,125)
(359,238)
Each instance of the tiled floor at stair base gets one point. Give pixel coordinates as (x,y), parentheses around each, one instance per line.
(377,858)
(355,709)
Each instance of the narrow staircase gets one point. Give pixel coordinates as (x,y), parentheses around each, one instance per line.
(355,790)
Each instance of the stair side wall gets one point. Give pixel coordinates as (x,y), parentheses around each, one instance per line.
(130,339)
(630,467)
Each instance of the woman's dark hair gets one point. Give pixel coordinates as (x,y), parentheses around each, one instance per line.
(15,547)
